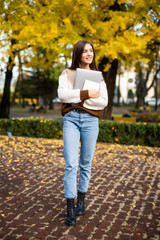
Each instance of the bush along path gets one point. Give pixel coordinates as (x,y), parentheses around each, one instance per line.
(144,134)
(122,202)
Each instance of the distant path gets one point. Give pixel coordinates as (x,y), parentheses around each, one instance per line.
(119,111)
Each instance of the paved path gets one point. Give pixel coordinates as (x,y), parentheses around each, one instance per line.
(122,202)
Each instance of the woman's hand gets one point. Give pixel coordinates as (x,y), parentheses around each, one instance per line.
(93,93)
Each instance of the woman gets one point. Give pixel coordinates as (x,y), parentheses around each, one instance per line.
(79,124)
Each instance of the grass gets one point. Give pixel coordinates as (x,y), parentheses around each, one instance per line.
(17,109)
(26,110)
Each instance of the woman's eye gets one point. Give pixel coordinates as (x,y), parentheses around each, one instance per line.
(89,51)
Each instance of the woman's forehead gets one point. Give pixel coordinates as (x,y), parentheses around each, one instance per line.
(87,46)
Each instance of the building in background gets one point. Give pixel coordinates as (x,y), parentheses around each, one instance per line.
(127,80)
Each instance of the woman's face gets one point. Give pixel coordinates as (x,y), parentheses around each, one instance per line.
(87,55)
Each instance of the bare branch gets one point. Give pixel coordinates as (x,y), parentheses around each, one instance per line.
(147,76)
(158,70)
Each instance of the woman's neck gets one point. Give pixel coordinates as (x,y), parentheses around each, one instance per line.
(85,66)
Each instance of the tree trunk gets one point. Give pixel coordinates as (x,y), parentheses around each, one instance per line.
(23,102)
(156,94)
(141,93)
(15,92)
(110,79)
(141,90)
(50,104)
(5,103)
(45,102)
(20,78)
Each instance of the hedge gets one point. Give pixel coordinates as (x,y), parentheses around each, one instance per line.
(31,127)
(145,134)
(149,117)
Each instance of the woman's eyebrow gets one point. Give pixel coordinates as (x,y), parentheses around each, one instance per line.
(88,49)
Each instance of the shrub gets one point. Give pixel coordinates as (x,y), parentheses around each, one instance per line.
(146,116)
(147,134)
(32,127)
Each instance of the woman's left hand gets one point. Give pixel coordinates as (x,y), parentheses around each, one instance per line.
(93,93)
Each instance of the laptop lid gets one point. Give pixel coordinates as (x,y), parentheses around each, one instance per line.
(85,74)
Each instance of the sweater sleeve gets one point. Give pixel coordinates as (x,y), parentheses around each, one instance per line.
(84,94)
(65,91)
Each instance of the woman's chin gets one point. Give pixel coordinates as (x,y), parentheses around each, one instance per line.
(88,62)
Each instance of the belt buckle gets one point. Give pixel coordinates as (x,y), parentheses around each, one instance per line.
(79,110)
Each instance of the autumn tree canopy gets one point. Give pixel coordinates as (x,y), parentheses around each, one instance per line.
(119,30)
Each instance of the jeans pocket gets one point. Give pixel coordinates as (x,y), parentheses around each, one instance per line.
(66,114)
(70,114)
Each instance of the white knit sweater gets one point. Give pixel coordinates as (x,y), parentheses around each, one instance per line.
(67,94)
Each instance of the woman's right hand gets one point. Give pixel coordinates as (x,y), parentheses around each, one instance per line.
(93,93)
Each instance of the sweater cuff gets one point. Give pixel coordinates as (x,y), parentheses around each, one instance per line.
(84,95)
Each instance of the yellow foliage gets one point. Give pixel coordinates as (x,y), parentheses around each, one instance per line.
(53,27)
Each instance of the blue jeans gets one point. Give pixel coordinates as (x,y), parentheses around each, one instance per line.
(78,127)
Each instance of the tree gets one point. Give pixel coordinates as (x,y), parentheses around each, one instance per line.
(120,71)
(151,68)
(39,83)
(24,28)
(46,83)
(110,77)
(118,93)
(146,73)
(119,30)
(5,102)
(130,94)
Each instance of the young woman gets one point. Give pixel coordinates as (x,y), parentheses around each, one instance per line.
(79,124)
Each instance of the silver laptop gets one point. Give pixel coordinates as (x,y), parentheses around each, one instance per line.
(85,74)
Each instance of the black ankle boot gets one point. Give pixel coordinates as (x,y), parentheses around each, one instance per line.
(71,216)
(80,210)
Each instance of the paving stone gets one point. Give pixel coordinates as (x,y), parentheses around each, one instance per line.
(122,201)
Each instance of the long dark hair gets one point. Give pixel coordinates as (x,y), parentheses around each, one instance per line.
(77,52)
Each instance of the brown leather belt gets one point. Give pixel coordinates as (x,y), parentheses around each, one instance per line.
(79,110)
